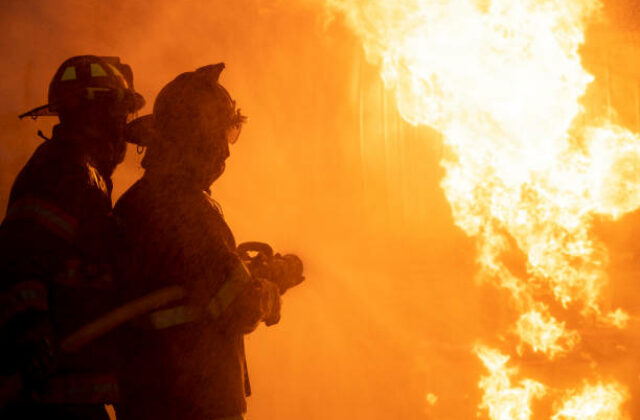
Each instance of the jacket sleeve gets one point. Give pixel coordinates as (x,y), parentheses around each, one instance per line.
(40,246)
(242,301)
(36,239)
(220,283)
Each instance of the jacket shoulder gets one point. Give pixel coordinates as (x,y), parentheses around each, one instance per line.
(57,191)
(55,175)
(188,217)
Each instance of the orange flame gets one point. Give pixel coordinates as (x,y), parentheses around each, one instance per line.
(501,80)
(594,402)
(502,400)
(545,334)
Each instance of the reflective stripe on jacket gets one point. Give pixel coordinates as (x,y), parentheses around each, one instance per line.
(57,227)
(239,279)
(46,214)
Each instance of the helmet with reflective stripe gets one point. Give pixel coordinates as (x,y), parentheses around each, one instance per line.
(88,80)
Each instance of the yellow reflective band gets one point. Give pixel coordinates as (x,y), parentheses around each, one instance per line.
(97,70)
(229,291)
(97,179)
(45,214)
(69,74)
(171,317)
(91,92)
(117,73)
(214,308)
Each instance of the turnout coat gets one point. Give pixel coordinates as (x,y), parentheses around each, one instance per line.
(185,360)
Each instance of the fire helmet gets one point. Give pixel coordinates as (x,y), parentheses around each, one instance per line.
(195,107)
(87,80)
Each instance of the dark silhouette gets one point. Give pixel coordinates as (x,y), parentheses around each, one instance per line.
(186,360)
(56,247)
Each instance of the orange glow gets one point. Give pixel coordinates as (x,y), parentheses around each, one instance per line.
(328,167)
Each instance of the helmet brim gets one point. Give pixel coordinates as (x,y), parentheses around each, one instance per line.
(138,102)
(41,111)
(45,110)
(140,131)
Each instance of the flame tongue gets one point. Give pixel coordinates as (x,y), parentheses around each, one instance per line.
(593,402)
(502,400)
(501,80)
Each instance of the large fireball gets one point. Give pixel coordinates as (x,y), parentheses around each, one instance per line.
(526,170)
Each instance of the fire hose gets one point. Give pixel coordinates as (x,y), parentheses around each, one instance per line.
(11,387)
(284,270)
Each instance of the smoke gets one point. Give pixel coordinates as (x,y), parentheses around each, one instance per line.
(381,297)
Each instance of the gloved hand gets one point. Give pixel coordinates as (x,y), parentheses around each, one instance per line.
(260,301)
(270,302)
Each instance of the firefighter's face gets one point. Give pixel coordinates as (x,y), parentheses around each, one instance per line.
(214,157)
(106,129)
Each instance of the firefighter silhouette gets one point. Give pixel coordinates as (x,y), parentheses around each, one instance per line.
(186,360)
(56,254)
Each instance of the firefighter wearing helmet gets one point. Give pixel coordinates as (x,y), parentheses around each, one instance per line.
(56,247)
(187,359)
